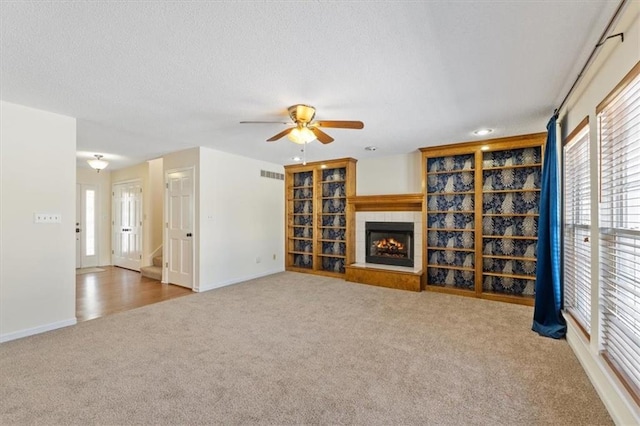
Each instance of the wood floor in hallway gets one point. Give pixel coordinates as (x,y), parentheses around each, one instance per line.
(117,289)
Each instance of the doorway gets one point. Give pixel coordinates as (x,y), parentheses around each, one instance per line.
(179,227)
(126,248)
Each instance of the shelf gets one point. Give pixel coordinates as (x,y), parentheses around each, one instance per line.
(511,215)
(451,229)
(340,256)
(332,181)
(514,276)
(450,211)
(302,187)
(444,172)
(452,193)
(468,250)
(505,191)
(301,238)
(334,198)
(332,214)
(496,256)
(332,227)
(310,253)
(513,166)
(302,226)
(301,214)
(300,199)
(457,268)
(331,241)
(513,237)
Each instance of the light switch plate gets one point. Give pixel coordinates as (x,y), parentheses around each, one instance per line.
(47,218)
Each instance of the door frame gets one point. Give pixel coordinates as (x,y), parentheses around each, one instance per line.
(113,218)
(84,261)
(165,227)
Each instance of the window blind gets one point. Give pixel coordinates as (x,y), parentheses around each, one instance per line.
(577,226)
(619,127)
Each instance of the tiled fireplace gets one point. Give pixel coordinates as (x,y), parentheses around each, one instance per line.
(391,217)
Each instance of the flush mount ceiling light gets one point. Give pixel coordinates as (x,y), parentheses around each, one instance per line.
(482,132)
(296,158)
(98,163)
(370,148)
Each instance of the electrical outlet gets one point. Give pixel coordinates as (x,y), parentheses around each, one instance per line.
(47,218)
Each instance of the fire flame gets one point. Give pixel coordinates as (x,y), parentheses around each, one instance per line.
(390,243)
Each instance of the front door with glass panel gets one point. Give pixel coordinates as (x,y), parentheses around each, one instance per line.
(86,226)
(127,225)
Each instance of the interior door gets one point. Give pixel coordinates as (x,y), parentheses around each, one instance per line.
(127,225)
(180,210)
(77,228)
(86,226)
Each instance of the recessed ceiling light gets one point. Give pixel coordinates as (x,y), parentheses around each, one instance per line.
(370,148)
(482,132)
(323,166)
(296,158)
(484,148)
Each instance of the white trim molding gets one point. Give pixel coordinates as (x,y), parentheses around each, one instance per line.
(622,409)
(37,330)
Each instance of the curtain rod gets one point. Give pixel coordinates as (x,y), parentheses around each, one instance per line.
(603,38)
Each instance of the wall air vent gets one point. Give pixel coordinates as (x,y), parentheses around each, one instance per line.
(272,175)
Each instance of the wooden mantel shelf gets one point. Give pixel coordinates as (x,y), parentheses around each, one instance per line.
(380,203)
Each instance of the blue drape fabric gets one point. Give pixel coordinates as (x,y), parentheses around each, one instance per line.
(547,316)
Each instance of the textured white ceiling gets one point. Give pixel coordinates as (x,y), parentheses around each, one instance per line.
(145,78)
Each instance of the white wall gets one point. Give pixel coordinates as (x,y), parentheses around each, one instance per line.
(102,181)
(37,175)
(613,62)
(241,219)
(396,174)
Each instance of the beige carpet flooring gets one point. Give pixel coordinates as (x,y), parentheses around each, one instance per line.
(299,349)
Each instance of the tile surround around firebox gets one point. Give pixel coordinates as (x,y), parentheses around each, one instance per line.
(389,216)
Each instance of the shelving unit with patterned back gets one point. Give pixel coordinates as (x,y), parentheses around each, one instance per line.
(450,221)
(320,231)
(481,217)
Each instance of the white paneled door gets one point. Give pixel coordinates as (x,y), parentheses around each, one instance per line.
(180,211)
(127,225)
(86,226)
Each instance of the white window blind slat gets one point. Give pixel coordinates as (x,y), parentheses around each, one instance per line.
(577,220)
(619,129)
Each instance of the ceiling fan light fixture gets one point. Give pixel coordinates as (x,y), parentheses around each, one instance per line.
(302,113)
(98,163)
(301,135)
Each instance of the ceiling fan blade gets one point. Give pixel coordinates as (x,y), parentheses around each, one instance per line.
(338,124)
(322,136)
(283,133)
(264,122)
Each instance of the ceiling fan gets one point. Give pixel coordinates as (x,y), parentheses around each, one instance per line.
(307,130)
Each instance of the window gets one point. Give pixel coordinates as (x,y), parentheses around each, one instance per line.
(577,226)
(619,127)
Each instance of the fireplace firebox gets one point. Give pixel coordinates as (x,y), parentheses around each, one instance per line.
(389,243)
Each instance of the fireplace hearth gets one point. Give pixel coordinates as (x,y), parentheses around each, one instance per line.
(389,243)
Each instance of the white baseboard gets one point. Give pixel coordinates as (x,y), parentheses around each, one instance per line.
(622,409)
(37,330)
(237,280)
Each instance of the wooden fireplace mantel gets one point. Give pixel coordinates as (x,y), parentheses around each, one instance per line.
(385,203)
